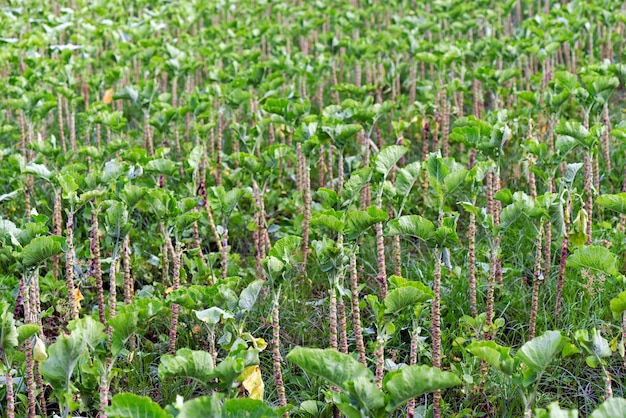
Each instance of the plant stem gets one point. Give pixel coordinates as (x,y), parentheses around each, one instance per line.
(534,305)
(69,266)
(356,310)
(563,261)
(471,235)
(435,327)
(276,356)
(175,307)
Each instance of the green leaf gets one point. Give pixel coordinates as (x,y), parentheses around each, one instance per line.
(195,156)
(124,325)
(349,410)
(328,220)
(213,315)
(26,331)
(555,411)
(40,249)
(497,356)
(618,305)
(250,294)
(161,166)
(201,407)
(116,219)
(286,249)
(63,355)
(539,352)
(611,408)
(413,225)
(414,381)
(337,368)
(358,179)
(128,405)
(365,390)
(358,221)
(575,130)
(437,170)
(8,332)
(131,194)
(388,157)
(187,363)
(595,345)
(247,408)
(505,196)
(455,178)
(615,202)
(403,297)
(39,170)
(594,257)
(406,178)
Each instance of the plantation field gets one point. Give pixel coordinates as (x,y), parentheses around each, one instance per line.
(352,208)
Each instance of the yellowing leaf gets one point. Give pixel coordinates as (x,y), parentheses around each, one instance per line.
(39,350)
(108,96)
(253,382)
(169,290)
(78,297)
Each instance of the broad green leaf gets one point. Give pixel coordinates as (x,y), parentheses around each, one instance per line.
(329,197)
(195,156)
(131,194)
(287,248)
(358,179)
(250,294)
(116,219)
(349,410)
(611,408)
(595,345)
(247,408)
(539,352)
(129,405)
(571,171)
(497,356)
(413,225)
(8,331)
(161,166)
(594,257)
(388,157)
(358,221)
(414,381)
(187,363)
(403,297)
(202,407)
(26,331)
(39,170)
(365,390)
(213,315)
(396,282)
(555,411)
(437,170)
(112,170)
(406,178)
(618,305)
(329,221)
(124,325)
(575,130)
(63,356)
(40,249)
(335,367)
(566,80)
(89,331)
(615,202)
(454,179)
